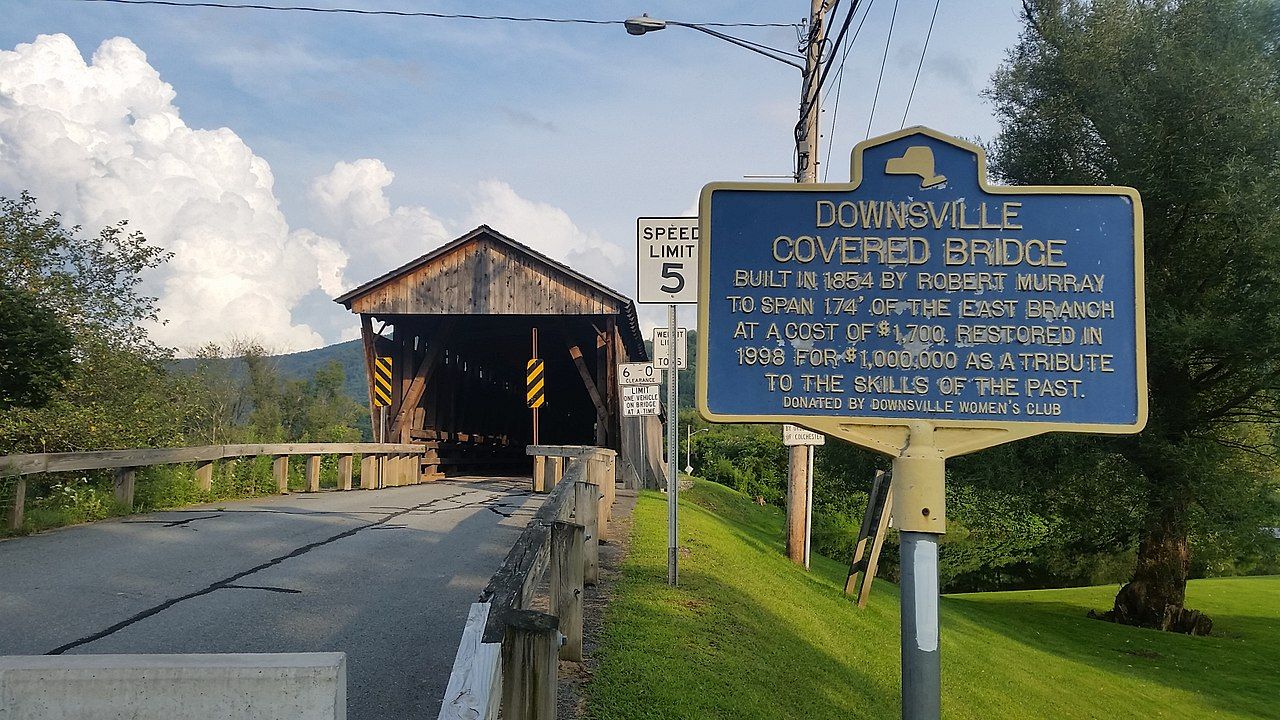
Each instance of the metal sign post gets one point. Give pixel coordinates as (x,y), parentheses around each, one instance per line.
(381,399)
(535,383)
(667,272)
(922,313)
(673,484)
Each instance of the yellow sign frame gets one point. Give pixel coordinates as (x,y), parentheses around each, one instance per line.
(382,395)
(535,383)
(891,436)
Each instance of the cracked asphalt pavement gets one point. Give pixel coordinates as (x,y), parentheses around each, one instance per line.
(385,576)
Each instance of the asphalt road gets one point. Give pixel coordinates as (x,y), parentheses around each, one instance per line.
(385,576)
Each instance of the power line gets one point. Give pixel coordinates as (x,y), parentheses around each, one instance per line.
(923,50)
(848,45)
(887,40)
(410,13)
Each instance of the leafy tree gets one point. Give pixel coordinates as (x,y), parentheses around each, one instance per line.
(35,350)
(93,281)
(1180,99)
(114,392)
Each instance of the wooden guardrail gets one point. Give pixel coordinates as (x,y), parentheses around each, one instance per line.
(382,465)
(508,654)
(548,468)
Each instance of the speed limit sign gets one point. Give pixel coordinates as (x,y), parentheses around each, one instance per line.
(668,260)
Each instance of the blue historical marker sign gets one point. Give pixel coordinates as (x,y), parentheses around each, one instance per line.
(918,292)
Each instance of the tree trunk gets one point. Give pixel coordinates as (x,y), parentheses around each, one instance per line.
(1154,597)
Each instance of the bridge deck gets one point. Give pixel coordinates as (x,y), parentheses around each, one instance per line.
(385,576)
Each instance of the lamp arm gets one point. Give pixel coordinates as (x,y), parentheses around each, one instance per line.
(739,43)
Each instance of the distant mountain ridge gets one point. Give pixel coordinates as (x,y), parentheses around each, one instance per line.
(302,365)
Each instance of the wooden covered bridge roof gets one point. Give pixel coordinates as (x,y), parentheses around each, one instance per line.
(487,273)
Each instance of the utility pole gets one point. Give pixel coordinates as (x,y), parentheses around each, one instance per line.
(799,479)
(807,129)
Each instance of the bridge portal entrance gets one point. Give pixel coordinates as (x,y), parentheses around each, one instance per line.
(459,325)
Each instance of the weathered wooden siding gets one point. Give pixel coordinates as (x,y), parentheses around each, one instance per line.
(484,277)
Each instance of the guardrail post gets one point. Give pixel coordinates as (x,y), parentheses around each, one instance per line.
(529,662)
(566,585)
(368,471)
(344,472)
(595,475)
(204,475)
(586,498)
(609,481)
(539,473)
(557,470)
(280,469)
(16,513)
(313,473)
(125,479)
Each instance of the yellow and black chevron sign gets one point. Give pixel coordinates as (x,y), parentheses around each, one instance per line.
(535,380)
(381,381)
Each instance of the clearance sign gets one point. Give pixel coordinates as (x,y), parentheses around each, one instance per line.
(918,293)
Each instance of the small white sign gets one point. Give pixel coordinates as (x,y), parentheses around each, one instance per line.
(792,435)
(667,260)
(638,374)
(662,353)
(638,400)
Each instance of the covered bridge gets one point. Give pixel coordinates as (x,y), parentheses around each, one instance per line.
(460,325)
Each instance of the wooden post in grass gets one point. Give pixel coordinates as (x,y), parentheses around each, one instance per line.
(344,472)
(873,561)
(17,510)
(280,469)
(875,525)
(313,473)
(796,492)
(529,651)
(125,480)
(204,475)
(566,585)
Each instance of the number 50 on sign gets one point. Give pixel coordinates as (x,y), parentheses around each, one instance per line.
(667,268)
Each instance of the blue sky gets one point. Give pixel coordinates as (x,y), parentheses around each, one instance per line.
(544,127)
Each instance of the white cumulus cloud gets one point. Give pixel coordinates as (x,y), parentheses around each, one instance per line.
(352,197)
(103,141)
(547,229)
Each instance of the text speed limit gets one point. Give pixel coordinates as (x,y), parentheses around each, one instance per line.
(667,270)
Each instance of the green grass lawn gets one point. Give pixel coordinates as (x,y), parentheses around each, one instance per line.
(749,635)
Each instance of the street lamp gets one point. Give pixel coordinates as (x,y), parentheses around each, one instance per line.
(688,448)
(645,24)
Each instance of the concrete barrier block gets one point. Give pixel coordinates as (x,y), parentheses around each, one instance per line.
(279,686)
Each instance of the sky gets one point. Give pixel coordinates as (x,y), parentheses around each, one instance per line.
(284,158)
